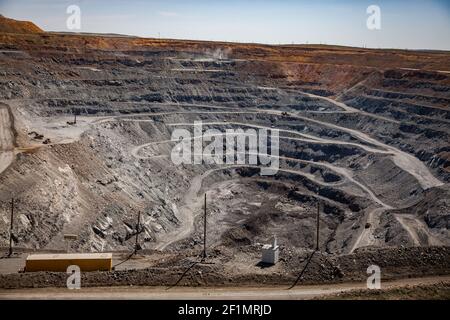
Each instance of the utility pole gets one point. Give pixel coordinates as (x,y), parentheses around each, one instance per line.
(204,231)
(75,119)
(138,230)
(317,230)
(11,228)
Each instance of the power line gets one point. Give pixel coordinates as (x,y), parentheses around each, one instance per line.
(184,273)
(136,244)
(203,256)
(204,230)
(303,270)
(315,250)
(318,226)
(11,229)
(138,230)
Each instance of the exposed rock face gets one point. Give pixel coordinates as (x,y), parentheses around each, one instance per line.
(361,132)
(15,26)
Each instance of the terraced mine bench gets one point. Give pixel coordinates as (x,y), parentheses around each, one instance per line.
(60,262)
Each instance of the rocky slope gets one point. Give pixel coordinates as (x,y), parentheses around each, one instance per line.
(363,132)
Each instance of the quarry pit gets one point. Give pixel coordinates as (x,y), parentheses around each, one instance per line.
(364,133)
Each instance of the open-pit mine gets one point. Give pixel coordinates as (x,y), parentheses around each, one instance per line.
(86,124)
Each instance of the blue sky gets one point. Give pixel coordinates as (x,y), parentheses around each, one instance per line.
(414,24)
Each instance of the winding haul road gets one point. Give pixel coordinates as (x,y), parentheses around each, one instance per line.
(403,160)
(417,230)
(367,237)
(199,293)
(191,202)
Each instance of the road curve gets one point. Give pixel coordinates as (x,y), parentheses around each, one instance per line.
(192,203)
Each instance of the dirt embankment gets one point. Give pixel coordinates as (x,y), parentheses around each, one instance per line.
(434,291)
(395,263)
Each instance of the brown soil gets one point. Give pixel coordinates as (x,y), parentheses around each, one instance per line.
(216,271)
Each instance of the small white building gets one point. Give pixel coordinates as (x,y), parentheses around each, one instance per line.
(270,252)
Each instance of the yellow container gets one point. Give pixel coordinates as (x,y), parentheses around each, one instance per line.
(60,262)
